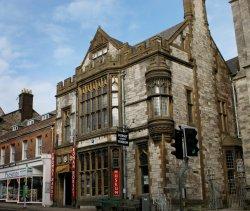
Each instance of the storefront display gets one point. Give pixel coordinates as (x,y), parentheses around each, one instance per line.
(3,189)
(12,187)
(33,190)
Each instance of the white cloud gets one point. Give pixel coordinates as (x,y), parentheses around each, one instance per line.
(55,32)
(4,66)
(88,13)
(12,83)
(63,52)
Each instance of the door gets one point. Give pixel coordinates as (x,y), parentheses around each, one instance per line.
(67,189)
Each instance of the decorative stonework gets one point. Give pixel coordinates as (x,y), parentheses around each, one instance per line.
(160,126)
(158,69)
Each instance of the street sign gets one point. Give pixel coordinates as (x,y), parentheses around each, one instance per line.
(122,138)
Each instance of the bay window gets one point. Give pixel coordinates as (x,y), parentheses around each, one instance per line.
(160,98)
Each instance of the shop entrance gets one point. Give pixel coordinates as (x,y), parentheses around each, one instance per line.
(65,186)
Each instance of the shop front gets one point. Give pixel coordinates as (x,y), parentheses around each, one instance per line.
(99,173)
(26,182)
(65,173)
(20,183)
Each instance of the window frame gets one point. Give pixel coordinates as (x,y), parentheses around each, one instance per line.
(160,88)
(12,153)
(97,104)
(223,115)
(3,154)
(39,146)
(66,125)
(190,106)
(25,151)
(101,169)
(142,148)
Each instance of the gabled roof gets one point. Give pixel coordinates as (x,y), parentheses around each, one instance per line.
(167,33)
(233,65)
(101,37)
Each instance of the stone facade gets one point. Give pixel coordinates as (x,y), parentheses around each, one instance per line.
(165,68)
(241,17)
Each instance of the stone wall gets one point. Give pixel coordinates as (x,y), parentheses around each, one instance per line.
(67,100)
(206,100)
(241,17)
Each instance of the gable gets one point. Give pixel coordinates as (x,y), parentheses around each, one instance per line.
(101,45)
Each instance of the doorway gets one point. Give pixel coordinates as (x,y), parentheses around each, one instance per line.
(65,189)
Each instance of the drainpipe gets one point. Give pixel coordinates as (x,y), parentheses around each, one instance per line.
(124,148)
(235,110)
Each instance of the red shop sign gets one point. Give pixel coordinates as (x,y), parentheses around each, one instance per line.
(52,183)
(73,168)
(116,182)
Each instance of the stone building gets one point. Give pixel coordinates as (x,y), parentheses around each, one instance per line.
(176,77)
(241,79)
(66,109)
(25,155)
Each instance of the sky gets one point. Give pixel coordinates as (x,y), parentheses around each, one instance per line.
(43,41)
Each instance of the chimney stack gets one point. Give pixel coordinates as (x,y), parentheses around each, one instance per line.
(188,9)
(26,104)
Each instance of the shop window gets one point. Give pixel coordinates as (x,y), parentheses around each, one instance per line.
(12,153)
(25,150)
(143,166)
(39,146)
(160,98)
(2,156)
(95,171)
(66,126)
(37,189)
(3,189)
(223,116)
(13,190)
(189,106)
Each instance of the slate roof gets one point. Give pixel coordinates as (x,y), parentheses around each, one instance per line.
(233,65)
(167,33)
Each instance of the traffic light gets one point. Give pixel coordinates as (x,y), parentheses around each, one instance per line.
(191,141)
(178,153)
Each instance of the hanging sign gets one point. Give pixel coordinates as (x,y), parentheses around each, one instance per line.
(122,138)
(116,183)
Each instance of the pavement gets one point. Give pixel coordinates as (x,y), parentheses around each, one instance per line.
(19,207)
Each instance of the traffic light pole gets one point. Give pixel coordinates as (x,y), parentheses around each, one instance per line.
(184,168)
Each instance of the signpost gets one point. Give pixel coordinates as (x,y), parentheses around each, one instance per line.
(122,138)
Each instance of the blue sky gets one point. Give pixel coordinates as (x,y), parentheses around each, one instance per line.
(42,41)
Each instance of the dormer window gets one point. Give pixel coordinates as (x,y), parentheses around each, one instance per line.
(30,122)
(99,53)
(14,128)
(45,116)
